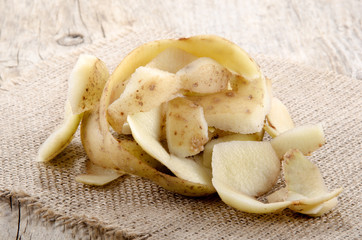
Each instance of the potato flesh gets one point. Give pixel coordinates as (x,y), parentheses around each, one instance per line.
(241,110)
(146,89)
(85,86)
(146,130)
(204,75)
(171,60)
(249,167)
(305,138)
(61,137)
(207,154)
(97,175)
(245,203)
(251,71)
(186,128)
(279,118)
(86,83)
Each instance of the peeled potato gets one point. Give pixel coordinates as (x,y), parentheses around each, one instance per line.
(204,75)
(186,128)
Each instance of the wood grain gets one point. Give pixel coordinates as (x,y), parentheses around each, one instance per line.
(324,34)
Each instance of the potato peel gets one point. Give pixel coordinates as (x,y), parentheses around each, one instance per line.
(307,139)
(147,136)
(249,167)
(61,137)
(218,91)
(278,119)
(98,176)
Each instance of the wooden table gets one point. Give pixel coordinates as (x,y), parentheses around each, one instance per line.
(324,33)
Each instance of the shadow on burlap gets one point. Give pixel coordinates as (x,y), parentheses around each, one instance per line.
(132,207)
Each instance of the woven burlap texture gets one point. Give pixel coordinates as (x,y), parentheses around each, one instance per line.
(132,207)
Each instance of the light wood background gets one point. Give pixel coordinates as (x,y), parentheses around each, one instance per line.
(322,33)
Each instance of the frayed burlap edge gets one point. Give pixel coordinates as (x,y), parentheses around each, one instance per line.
(93,226)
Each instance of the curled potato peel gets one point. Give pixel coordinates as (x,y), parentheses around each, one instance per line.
(238,104)
(126,156)
(225,52)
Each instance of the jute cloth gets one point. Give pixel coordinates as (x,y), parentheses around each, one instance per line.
(132,207)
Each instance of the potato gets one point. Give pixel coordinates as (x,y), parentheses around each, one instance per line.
(147,88)
(241,110)
(306,138)
(186,128)
(171,60)
(204,75)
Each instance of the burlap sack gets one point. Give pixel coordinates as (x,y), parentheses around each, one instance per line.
(132,207)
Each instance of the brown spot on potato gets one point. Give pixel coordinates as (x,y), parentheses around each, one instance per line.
(152,87)
(230,94)
(140,103)
(215,100)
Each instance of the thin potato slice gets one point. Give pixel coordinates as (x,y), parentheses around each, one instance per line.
(171,60)
(245,203)
(204,75)
(207,154)
(279,119)
(186,128)
(305,183)
(249,167)
(147,88)
(61,137)
(98,176)
(146,129)
(241,110)
(306,138)
(128,157)
(86,83)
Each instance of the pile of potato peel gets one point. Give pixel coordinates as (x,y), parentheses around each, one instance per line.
(190,115)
